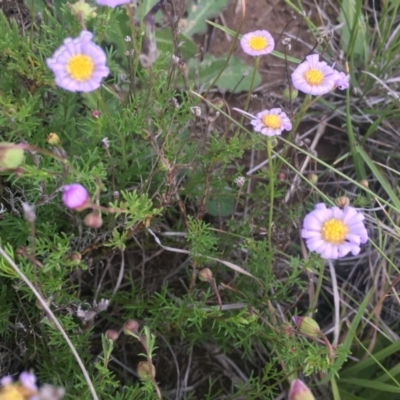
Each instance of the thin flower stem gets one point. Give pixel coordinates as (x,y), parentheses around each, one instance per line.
(336,300)
(54,319)
(271,200)
(313,305)
(249,93)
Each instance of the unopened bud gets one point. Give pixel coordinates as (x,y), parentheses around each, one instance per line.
(218,103)
(93,220)
(364,183)
(342,201)
(11,156)
(29,212)
(96,114)
(83,10)
(53,139)
(240,181)
(287,329)
(112,334)
(205,275)
(281,176)
(131,326)
(313,178)
(196,110)
(290,94)
(299,391)
(307,326)
(75,257)
(146,370)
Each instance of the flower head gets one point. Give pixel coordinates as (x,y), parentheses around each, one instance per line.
(314,77)
(332,232)
(75,196)
(257,43)
(271,122)
(299,391)
(342,80)
(79,65)
(112,3)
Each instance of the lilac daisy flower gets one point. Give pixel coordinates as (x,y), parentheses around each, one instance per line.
(314,77)
(257,43)
(112,3)
(271,122)
(333,232)
(342,80)
(79,65)
(75,196)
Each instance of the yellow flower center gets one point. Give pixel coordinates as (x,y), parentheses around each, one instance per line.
(80,67)
(12,392)
(314,77)
(258,43)
(334,231)
(272,121)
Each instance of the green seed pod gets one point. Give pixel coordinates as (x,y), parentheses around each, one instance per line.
(146,370)
(290,95)
(11,156)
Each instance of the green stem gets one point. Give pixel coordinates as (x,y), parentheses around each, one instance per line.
(249,93)
(313,305)
(271,200)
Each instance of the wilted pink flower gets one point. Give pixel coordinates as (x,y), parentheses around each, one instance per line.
(333,232)
(257,43)
(75,196)
(79,65)
(299,391)
(271,122)
(342,80)
(314,77)
(112,3)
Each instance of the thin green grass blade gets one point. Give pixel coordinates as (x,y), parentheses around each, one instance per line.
(372,384)
(382,180)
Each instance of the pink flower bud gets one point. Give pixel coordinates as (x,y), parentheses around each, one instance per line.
(75,196)
(93,220)
(299,391)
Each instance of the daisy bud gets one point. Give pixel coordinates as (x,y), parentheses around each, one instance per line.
(29,212)
(75,257)
(11,156)
(93,220)
(146,370)
(83,10)
(299,391)
(313,178)
(112,335)
(281,176)
(364,183)
(240,181)
(205,275)
(75,197)
(196,111)
(342,202)
(287,329)
(307,326)
(53,139)
(290,94)
(96,114)
(131,326)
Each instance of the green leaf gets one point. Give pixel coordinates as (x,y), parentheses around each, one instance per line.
(236,77)
(221,206)
(164,40)
(353,34)
(371,384)
(198,13)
